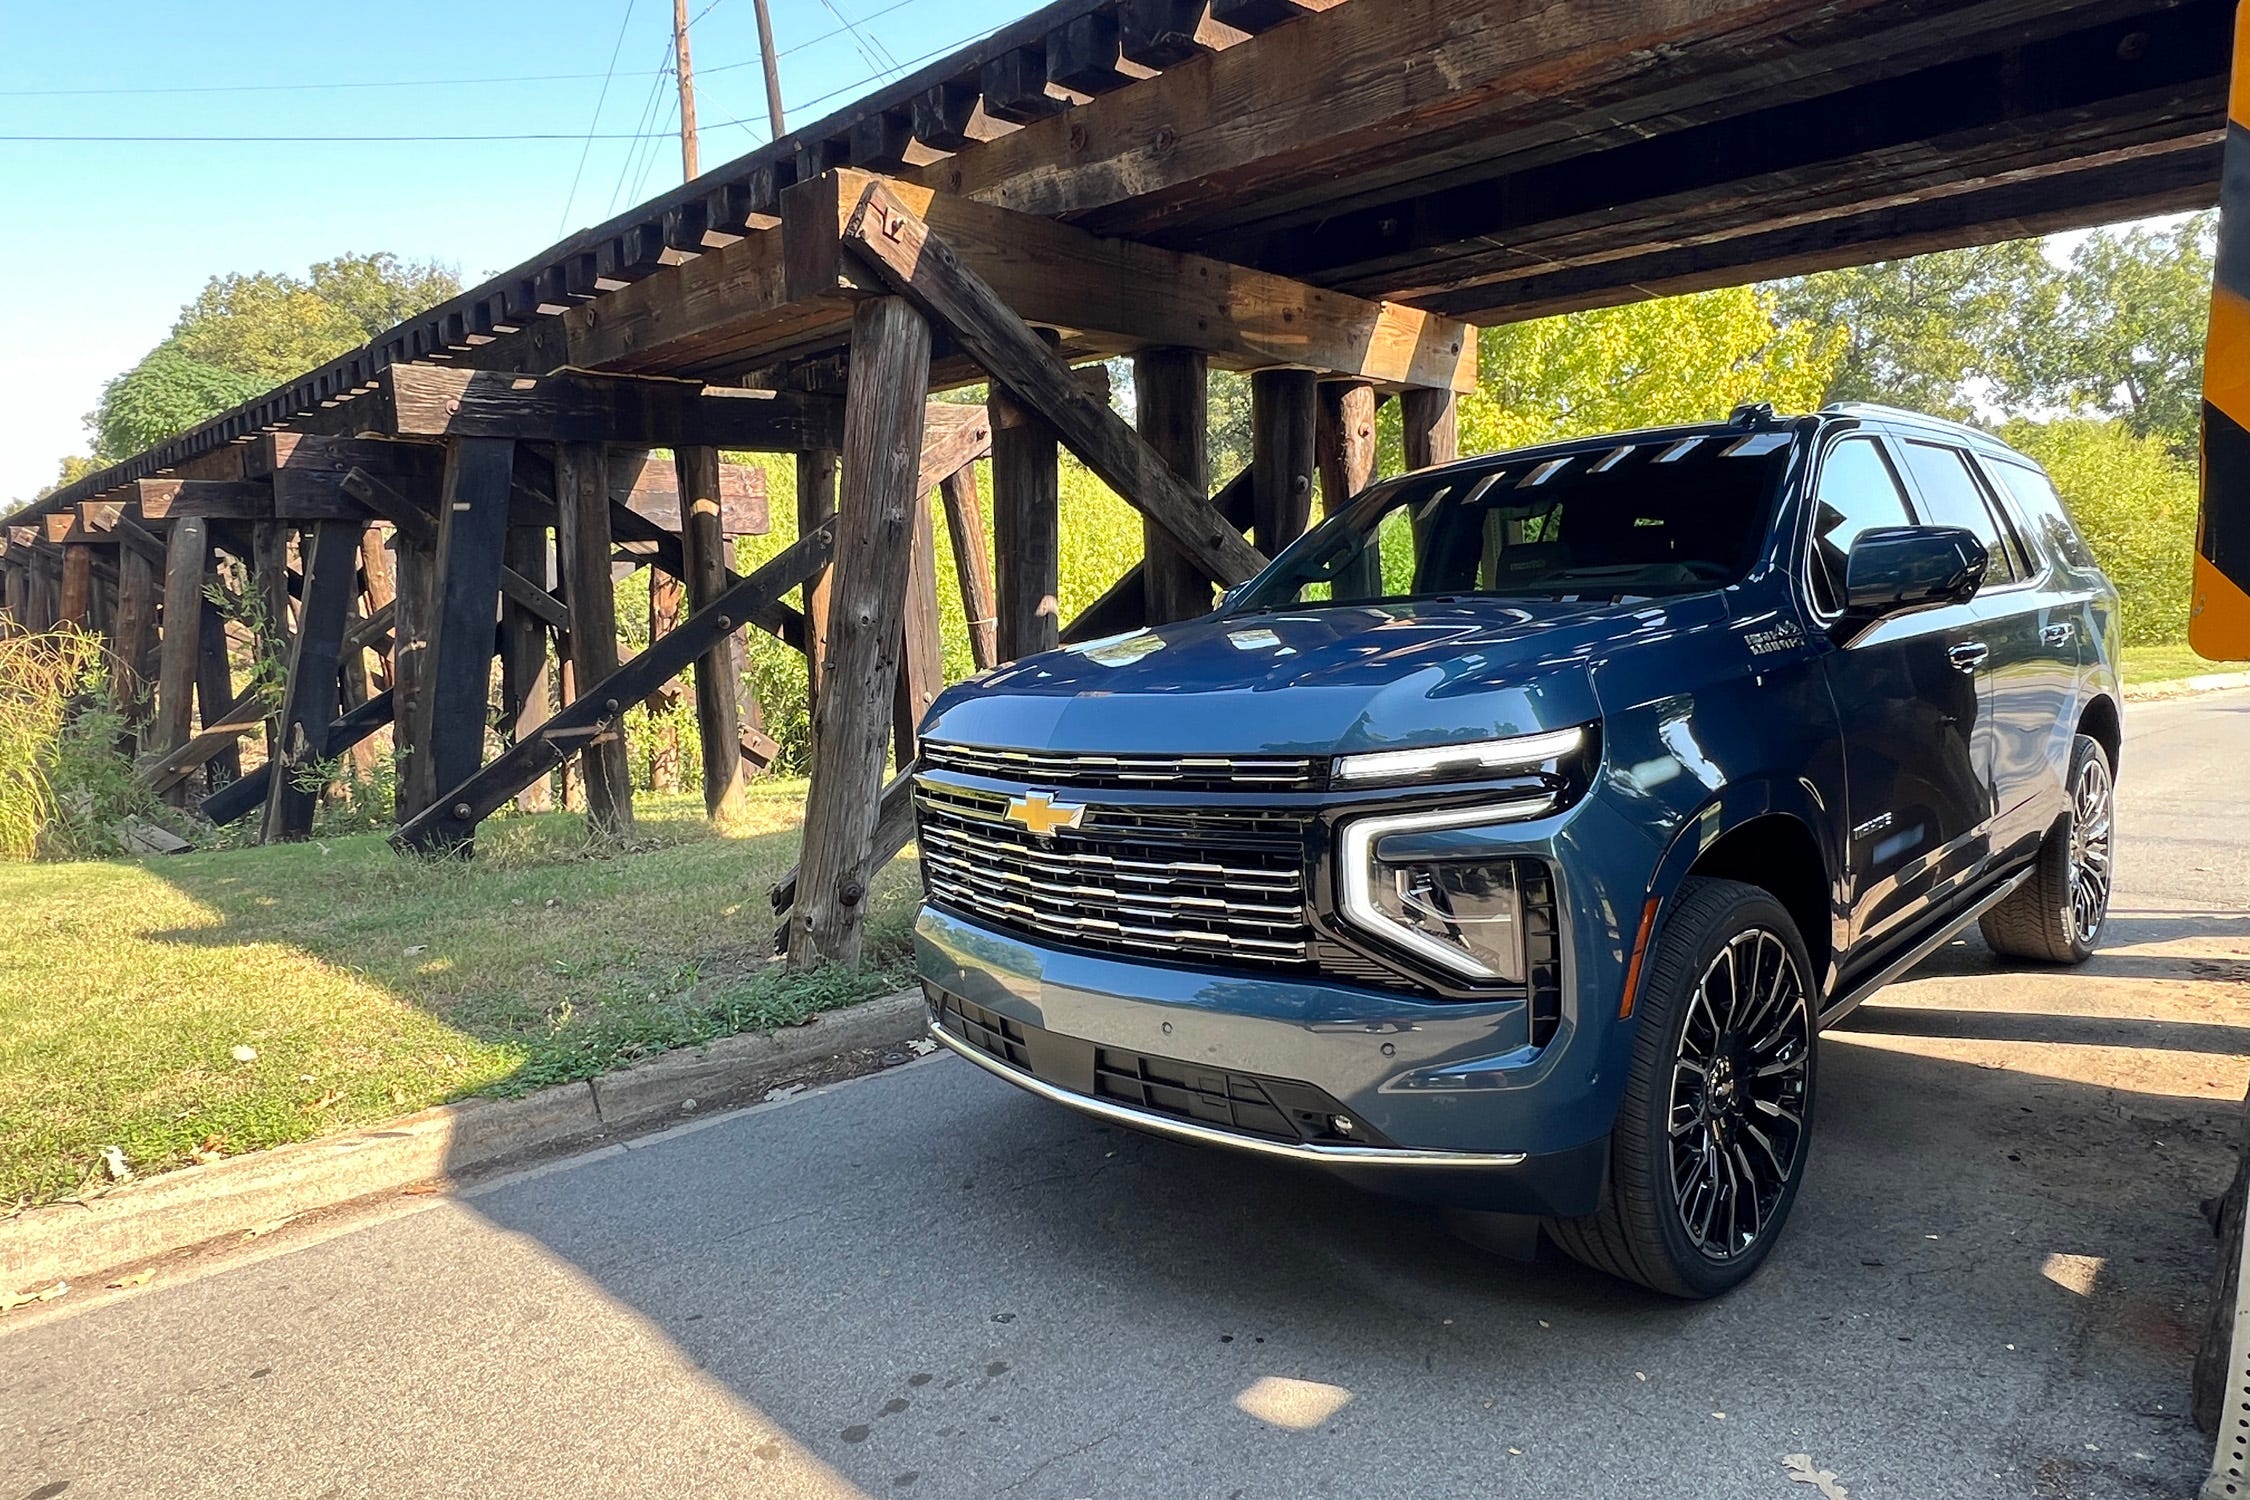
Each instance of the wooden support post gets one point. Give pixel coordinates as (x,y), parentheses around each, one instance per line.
(666,596)
(1345,441)
(582,541)
(133,632)
(890,373)
(524,678)
(718,717)
(1430,426)
(972,560)
(1026,526)
(1283,413)
(214,693)
(921,665)
(472,533)
(816,502)
(358,687)
(375,578)
(1172,415)
(308,696)
(415,570)
(75,603)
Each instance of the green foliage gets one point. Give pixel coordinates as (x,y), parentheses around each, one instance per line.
(1922,333)
(2129,343)
(2135,501)
(244,334)
(1675,359)
(64,784)
(165,394)
(2117,331)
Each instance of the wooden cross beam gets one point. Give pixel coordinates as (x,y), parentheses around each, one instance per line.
(416,524)
(450,822)
(902,253)
(441,401)
(238,798)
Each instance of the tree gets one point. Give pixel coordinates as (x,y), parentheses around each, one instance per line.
(2135,502)
(245,334)
(2129,342)
(1927,333)
(1676,359)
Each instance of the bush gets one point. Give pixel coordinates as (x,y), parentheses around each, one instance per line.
(2135,501)
(65,783)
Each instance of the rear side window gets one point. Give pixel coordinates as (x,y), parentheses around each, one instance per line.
(1857,492)
(2035,494)
(1953,497)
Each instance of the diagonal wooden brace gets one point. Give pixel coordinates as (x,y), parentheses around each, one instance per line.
(902,253)
(451,821)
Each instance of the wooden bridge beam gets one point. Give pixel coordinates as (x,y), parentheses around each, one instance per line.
(1172,414)
(1026,526)
(309,693)
(718,714)
(464,600)
(882,435)
(582,546)
(1283,414)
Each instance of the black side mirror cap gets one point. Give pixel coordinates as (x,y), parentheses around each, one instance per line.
(1899,570)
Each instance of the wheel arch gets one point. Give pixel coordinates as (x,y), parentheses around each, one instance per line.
(2100,719)
(1768,835)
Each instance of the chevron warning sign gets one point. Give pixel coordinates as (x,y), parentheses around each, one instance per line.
(2219,616)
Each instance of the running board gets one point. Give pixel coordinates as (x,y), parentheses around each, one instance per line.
(1860,993)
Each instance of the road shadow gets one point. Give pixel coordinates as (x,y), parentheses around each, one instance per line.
(931,1274)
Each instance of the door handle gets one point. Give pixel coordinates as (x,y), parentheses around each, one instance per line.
(1969,655)
(2058,635)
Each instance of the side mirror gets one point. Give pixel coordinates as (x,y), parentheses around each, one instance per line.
(1898,570)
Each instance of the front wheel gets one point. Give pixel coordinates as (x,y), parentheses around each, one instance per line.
(2056,916)
(1711,1138)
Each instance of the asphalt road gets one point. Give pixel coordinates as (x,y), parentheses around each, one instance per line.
(927,1284)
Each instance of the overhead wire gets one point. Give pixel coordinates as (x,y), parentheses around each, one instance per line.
(616,50)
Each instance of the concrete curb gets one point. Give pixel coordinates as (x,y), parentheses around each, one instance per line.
(2182,687)
(250,1194)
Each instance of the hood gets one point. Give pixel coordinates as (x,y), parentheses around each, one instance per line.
(1314,681)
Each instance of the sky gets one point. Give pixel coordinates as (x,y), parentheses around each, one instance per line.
(113,237)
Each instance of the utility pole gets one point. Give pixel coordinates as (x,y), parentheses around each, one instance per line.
(773,69)
(687,87)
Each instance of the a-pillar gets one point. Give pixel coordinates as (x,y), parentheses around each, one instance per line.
(1172,413)
(1026,527)
(889,380)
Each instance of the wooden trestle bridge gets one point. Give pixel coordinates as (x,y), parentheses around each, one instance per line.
(1329,194)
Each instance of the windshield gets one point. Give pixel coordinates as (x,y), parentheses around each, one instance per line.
(1643,519)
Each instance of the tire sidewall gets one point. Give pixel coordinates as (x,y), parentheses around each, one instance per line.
(2083,748)
(1664,1018)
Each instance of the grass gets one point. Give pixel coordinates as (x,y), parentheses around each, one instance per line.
(2148,664)
(369,985)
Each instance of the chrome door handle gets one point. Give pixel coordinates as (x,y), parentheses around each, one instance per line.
(2058,635)
(1969,655)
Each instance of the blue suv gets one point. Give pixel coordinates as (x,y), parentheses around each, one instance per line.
(1508,841)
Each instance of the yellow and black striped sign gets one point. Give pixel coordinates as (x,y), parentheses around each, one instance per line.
(2219,616)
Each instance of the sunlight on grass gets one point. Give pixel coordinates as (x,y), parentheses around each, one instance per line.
(2144,665)
(369,985)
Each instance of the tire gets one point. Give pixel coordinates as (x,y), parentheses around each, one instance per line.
(1710,1088)
(2057,915)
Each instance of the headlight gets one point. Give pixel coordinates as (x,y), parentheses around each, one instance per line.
(1465,914)
(1521,752)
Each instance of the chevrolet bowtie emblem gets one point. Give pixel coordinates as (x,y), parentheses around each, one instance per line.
(1042,814)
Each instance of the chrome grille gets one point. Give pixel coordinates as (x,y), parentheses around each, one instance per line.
(1190,883)
(1185,773)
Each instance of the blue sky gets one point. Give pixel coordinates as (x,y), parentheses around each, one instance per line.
(112,237)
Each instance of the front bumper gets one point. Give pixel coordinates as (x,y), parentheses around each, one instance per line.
(1434,1112)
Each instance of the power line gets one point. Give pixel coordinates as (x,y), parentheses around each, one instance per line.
(617,48)
(401,83)
(550,135)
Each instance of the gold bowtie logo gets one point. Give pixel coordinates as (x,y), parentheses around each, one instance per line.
(1042,814)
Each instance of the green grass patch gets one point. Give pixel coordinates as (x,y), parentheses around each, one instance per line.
(370,985)
(2149,664)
